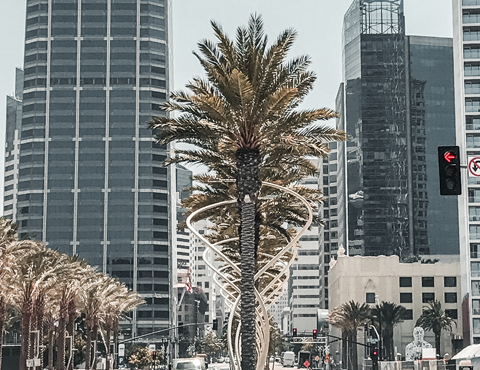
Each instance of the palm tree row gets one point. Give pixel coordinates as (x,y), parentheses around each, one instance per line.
(245,123)
(351,316)
(49,291)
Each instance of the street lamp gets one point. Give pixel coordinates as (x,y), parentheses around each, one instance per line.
(380,347)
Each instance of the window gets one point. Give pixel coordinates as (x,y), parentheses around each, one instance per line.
(449,281)
(474,248)
(370,297)
(428,297)
(450,297)
(407,315)
(476,326)
(475,288)
(428,282)
(207,285)
(452,313)
(475,269)
(405,281)
(406,298)
(476,306)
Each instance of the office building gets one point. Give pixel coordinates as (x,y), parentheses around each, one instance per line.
(466,42)
(373,280)
(84,173)
(396,112)
(304,284)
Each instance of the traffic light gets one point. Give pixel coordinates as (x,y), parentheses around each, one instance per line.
(314,333)
(154,355)
(374,356)
(294,332)
(449,170)
(215,324)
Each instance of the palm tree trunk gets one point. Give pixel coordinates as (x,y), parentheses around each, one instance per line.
(95,346)
(88,348)
(3,314)
(62,325)
(27,311)
(353,339)
(437,342)
(51,338)
(39,315)
(344,349)
(108,333)
(72,315)
(115,342)
(248,186)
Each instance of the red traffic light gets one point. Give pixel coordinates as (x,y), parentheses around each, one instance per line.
(314,331)
(449,156)
(375,353)
(294,332)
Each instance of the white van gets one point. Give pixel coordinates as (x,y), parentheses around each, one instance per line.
(188,364)
(288,359)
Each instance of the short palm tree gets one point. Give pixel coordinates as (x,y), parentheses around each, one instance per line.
(435,319)
(389,314)
(245,115)
(349,317)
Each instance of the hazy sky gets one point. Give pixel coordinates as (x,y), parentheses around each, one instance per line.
(318,22)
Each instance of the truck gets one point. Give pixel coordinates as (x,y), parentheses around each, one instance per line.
(302,357)
(288,359)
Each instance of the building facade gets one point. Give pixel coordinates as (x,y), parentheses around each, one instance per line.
(466,41)
(88,178)
(373,280)
(396,112)
(304,284)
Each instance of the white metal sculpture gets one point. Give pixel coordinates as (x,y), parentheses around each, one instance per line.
(266,297)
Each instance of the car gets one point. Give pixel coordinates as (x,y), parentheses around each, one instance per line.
(223,367)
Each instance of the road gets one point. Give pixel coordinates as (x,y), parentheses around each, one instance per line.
(223,366)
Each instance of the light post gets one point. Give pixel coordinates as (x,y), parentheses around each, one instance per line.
(380,347)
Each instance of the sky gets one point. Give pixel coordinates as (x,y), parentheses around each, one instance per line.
(318,23)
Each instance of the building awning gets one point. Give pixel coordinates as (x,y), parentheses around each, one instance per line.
(468,352)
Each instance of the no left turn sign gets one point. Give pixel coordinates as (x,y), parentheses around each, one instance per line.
(474,166)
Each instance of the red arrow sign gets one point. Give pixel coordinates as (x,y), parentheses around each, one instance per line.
(449,156)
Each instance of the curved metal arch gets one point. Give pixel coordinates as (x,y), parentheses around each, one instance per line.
(268,296)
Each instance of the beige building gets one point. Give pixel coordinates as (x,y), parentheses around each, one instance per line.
(413,285)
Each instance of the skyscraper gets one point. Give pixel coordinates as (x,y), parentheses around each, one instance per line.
(88,177)
(466,41)
(396,112)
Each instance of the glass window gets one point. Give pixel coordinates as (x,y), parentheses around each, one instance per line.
(475,269)
(406,298)
(474,195)
(452,313)
(405,281)
(449,281)
(475,288)
(407,315)
(476,306)
(428,282)
(428,297)
(474,232)
(470,2)
(450,297)
(476,326)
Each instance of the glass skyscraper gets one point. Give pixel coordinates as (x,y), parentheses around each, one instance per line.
(396,112)
(83,173)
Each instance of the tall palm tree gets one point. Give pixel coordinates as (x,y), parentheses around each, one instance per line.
(37,273)
(389,314)
(10,251)
(435,319)
(349,317)
(246,113)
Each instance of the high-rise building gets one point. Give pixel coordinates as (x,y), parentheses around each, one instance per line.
(84,174)
(396,112)
(305,275)
(466,42)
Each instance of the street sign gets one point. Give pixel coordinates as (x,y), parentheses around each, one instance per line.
(473,166)
(306,364)
(152,347)
(121,349)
